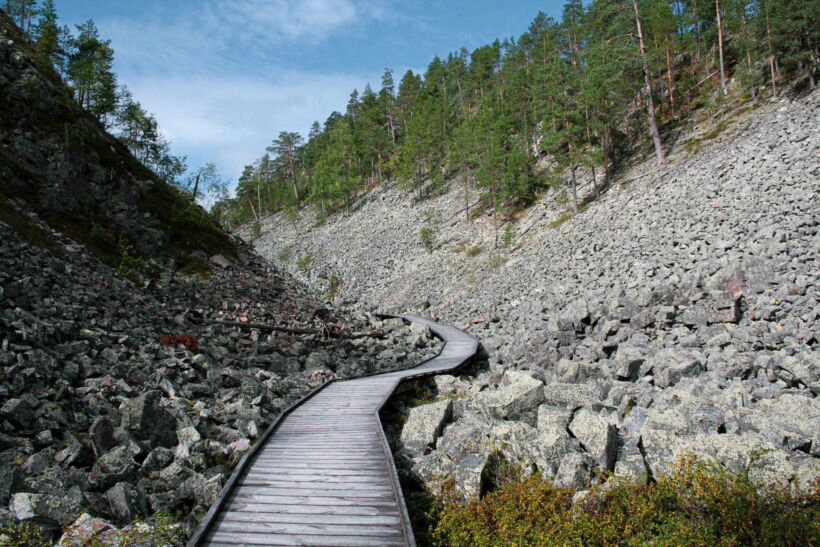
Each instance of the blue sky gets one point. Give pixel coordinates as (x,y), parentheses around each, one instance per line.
(223,77)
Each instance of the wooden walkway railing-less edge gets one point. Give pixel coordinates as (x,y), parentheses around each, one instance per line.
(323,472)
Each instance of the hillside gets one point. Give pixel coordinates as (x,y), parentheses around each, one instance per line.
(677,313)
(59,166)
(142,349)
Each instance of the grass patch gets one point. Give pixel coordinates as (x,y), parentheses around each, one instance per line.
(475,250)
(304,263)
(560,220)
(195,266)
(30,231)
(718,129)
(496,261)
(699,503)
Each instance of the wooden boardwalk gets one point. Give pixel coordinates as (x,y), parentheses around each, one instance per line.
(323,474)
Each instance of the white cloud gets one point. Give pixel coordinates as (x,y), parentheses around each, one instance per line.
(231,122)
(213,75)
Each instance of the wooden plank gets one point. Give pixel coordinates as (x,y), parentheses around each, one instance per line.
(311,471)
(239,497)
(386,510)
(221,538)
(373,484)
(364,491)
(345,530)
(312,518)
(278,476)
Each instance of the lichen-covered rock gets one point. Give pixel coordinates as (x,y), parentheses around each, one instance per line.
(575,470)
(596,428)
(571,396)
(126,502)
(83,530)
(147,419)
(48,509)
(424,425)
(519,395)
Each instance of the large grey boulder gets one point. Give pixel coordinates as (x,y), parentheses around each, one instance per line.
(83,530)
(575,471)
(670,365)
(518,395)
(801,368)
(628,360)
(571,395)
(18,412)
(792,420)
(663,451)
(629,463)
(145,417)
(118,463)
(10,481)
(126,502)
(596,428)
(48,509)
(549,447)
(424,425)
(553,416)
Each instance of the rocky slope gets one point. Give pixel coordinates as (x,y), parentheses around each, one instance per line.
(142,349)
(58,162)
(678,313)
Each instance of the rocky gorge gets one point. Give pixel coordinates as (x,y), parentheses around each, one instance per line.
(678,313)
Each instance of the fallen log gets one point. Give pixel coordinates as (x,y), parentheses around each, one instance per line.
(296,330)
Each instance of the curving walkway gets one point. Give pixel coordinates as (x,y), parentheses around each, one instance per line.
(323,473)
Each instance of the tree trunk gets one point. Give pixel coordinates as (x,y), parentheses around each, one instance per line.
(591,159)
(697,29)
(605,139)
(466,194)
(653,124)
(669,77)
(574,190)
(293,175)
(495,206)
(196,187)
(720,48)
(750,72)
(771,52)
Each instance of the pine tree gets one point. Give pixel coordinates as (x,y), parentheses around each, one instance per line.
(48,37)
(285,147)
(90,73)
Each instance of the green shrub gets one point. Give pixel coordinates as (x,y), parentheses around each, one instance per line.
(429,231)
(22,534)
(97,232)
(284,256)
(256,229)
(129,260)
(304,263)
(698,503)
(334,287)
(475,250)
(509,235)
(496,260)
(427,237)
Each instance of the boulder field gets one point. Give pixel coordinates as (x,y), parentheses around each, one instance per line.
(677,313)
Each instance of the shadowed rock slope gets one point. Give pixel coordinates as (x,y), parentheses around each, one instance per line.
(59,166)
(678,313)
